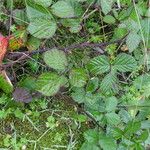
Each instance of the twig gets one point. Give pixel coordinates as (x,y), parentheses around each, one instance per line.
(25,55)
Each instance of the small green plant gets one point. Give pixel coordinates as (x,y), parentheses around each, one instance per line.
(80,74)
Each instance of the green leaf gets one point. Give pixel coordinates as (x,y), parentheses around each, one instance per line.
(28,83)
(109,19)
(106,6)
(78,95)
(111,104)
(125,116)
(5,86)
(133,40)
(132,127)
(113,118)
(145,124)
(42,28)
(99,64)
(73,24)
(93,84)
(142,81)
(109,83)
(49,83)
(63,9)
(144,135)
(33,43)
(91,135)
(124,63)
(35,11)
(78,77)
(56,59)
(45,3)
(89,146)
(119,33)
(20,17)
(107,143)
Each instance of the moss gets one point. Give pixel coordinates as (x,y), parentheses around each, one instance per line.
(58,136)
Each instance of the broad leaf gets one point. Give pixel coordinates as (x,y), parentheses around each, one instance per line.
(106,5)
(42,28)
(99,64)
(45,3)
(107,143)
(109,84)
(78,95)
(35,11)
(109,19)
(111,104)
(56,59)
(133,40)
(49,83)
(78,77)
(73,24)
(20,17)
(33,43)
(124,63)
(63,9)
(113,118)
(142,81)
(119,33)
(93,84)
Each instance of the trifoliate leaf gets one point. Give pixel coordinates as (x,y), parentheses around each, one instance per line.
(99,65)
(124,63)
(56,59)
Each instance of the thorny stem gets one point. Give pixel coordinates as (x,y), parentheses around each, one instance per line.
(21,56)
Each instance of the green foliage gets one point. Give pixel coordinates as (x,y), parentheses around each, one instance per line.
(63,9)
(124,63)
(45,3)
(56,59)
(5,85)
(109,81)
(42,28)
(133,40)
(107,143)
(99,64)
(78,77)
(50,83)
(109,19)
